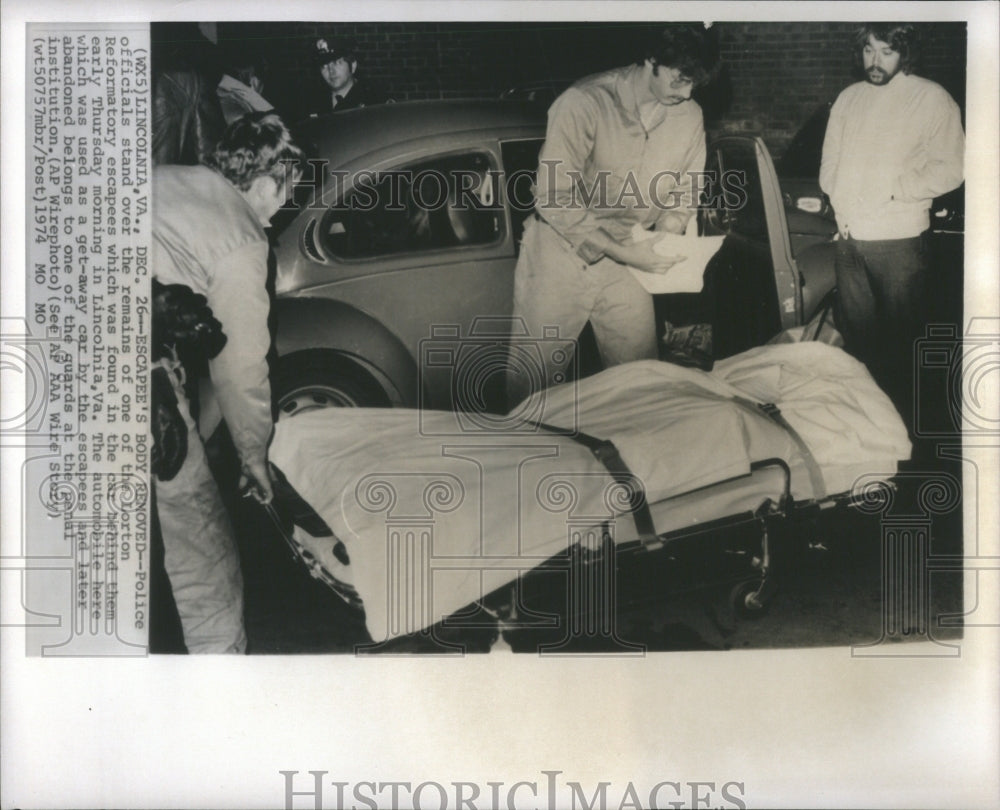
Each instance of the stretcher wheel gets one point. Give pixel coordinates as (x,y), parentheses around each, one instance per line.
(744,601)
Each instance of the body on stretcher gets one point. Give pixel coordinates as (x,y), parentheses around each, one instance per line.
(756,503)
(432,524)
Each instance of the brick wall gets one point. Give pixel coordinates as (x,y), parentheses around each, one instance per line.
(776,74)
(781,72)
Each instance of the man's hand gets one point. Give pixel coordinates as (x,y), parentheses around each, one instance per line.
(642,256)
(673,222)
(639,255)
(256,481)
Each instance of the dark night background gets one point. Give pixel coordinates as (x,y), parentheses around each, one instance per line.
(776,74)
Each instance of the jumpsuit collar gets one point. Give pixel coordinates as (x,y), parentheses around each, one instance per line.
(628,103)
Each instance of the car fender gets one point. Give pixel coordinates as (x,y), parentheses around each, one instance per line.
(303,324)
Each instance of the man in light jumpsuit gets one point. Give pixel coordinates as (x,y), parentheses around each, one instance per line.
(622,148)
(208,234)
(894,142)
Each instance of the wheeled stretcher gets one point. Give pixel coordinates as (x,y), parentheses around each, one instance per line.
(424,514)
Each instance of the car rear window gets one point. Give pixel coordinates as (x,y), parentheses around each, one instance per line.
(446,202)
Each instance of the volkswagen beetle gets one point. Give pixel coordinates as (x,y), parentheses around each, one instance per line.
(397,264)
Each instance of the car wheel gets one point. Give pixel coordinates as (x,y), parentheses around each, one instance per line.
(309,381)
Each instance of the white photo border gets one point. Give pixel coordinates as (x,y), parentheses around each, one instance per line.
(799,727)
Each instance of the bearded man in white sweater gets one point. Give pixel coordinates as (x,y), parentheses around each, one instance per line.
(894,142)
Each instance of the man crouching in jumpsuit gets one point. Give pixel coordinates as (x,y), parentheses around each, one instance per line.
(208,234)
(622,148)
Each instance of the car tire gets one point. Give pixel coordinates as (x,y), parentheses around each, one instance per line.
(308,381)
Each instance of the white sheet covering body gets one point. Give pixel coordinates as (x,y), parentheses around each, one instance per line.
(436,514)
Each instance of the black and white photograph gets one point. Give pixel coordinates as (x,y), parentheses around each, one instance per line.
(581,443)
(494,405)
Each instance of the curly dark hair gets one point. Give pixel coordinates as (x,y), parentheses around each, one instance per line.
(688,48)
(183,322)
(901,37)
(256,145)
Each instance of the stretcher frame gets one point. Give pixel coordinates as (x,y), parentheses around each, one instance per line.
(753,575)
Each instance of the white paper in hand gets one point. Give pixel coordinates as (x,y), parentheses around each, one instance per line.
(687,276)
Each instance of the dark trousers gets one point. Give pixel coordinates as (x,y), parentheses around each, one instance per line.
(881,306)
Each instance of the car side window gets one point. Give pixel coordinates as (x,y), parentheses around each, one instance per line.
(520,163)
(733,198)
(449,201)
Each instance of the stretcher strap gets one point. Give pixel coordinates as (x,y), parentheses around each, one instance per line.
(606,452)
(772,412)
(295,507)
